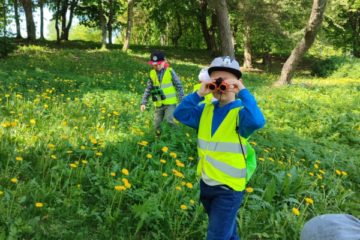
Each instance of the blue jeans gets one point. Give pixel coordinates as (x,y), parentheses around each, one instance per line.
(221,205)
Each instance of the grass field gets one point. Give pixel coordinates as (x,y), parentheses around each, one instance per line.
(79,160)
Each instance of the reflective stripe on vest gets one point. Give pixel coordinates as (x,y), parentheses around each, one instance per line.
(166,86)
(220,156)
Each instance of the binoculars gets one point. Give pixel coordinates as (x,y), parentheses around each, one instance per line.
(219,85)
(157,92)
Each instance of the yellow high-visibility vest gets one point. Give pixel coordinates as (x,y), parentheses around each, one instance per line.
(166,86)
(221,158)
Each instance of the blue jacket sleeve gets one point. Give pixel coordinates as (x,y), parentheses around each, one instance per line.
(251,117)
(189,110)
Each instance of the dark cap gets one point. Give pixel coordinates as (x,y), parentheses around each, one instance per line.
(156,57)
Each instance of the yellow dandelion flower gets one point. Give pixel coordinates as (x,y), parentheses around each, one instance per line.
(73,165)
(321,171)
(179,163)
(271,159)
(289,174)
(261,159)
(191,158)
(338,172)
(309,201)
(1,193)
(32,121)
(53,157)
(82,147)
(14,180)
(143,143)
(69,152)
(165,149)
(253,143)
(84,162)
(296,211)
(119,188)
(189,185)
(344,173)
(311,174)
(316,166)
(125,171)
(99,154)
(192,202)
(19,158)
(249,189)
(39,204)
(113,174)
(163,161)
(149,156)
(164,174)
(183,207)
(172,154)
(51,146)
(319,176)
(178,188)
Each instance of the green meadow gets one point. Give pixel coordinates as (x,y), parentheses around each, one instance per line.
(78,160)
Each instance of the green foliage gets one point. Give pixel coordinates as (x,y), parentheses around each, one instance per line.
(70,125)
(7,47)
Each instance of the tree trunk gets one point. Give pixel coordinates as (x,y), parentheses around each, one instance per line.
(312,28)
(4,17)
(354,20)
(63,11)
(110,21)
(129,25)
(177,36)
(57,14)
(227,47)
(30,25)
(17,19)
(203,23)
(212,31)
(41,4)
(247,47)
(102,25)
(73,5)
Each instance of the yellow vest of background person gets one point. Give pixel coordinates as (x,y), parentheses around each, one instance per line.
(221,156)
(208,97)
(166,86)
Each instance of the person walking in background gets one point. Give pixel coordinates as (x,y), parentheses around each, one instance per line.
(164,87)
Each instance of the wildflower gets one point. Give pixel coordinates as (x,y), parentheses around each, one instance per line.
(249,189)
(261,159)
(311,174)
(191,158)
(19,158)
(73,165)
(179,163)
(178,188)
(39,204)
(82,147)
(344,173)
(14,180)
(253,143)
(288,174)
(189,185)
(338,172)
(143,143)
(119,188)
(177,173)
(316,166)
(165,149)
(125,171)
(296,211)
(69,152)
(309,201)
(32,121)
(99,154)
(192,202)
(53,157)
(319,176)
(113,174)
(172,154)
(84,162)
(164,174)
(163,161)
(126,183)
(148,156)
(183,207)
(321,171)
(51,146)
(271,159)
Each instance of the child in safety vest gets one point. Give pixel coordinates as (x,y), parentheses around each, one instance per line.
(165,89)
(223,128)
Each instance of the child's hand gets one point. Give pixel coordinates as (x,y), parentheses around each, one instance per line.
(204,90)
(235,85)
(142,108)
